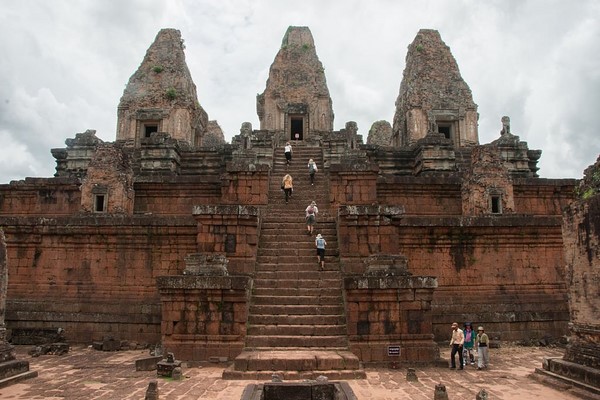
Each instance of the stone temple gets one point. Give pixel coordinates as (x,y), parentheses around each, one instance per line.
(170,235)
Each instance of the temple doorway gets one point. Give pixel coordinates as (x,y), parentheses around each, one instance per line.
(296,128)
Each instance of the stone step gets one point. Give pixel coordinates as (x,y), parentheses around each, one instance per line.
(303,256)
(289,310)
(296,341)
(291,221)
(295,300)
(296,259)
(298,283)
(310,274)
(296,360)
(13,371)
(297,231)
(297,330)
(298,238)
(331,270)
(333,375)
(305,249)
(296,291)
(269,319)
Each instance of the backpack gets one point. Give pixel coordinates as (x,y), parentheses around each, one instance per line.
(311,210)
(312,168)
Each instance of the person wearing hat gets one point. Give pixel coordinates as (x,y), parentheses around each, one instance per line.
(320,243)
(469,343)
(311,217)
(483,343)
(457,341)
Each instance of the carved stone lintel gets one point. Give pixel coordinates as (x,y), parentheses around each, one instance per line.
(387,265)
(206,265)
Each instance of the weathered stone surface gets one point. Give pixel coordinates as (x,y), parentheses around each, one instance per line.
(152,391)
(168,366)
(518,159)
(440,392)
(590,184)
(487,187)
(91,272)
(380,134)
(581,235)
(148,363)
(296,88)
(386,265)
(108,184)
(161,96)
(411,375)
(206,265)
(214,135)
(3,284)
(433,95)
(11,369)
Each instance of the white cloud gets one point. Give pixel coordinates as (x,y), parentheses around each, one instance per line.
(66,64)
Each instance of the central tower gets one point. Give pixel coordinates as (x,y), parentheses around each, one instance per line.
(296,100)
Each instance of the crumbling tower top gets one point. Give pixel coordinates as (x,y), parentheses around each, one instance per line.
(161,95)
(433,95)
(296,99)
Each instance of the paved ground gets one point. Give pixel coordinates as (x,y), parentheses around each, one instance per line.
(92,375)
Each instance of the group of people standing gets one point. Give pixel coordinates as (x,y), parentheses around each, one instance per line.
(463,343)
(287,185)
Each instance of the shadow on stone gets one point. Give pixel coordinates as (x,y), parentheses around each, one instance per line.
(299,391)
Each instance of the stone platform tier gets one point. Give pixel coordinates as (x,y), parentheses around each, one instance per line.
(578,379)
(297,322)
(295,364)
(15,371)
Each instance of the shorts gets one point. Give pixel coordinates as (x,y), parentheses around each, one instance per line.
(310,220)
(321,253)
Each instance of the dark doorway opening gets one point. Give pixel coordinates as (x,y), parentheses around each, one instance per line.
(496,205)
(149,130)
(444,130)
(297,128)
(99,203)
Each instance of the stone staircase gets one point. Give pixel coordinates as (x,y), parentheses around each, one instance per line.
(296,323)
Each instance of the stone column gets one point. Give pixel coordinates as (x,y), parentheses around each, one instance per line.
(3,285)
(581,235)
(389,308)
(7,352)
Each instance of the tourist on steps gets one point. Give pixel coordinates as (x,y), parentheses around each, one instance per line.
(320,243)
(311,217)
(288,186)
(288,153)
(312,168)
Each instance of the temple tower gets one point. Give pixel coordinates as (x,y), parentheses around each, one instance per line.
(161,96)
(433,96)
(296,99)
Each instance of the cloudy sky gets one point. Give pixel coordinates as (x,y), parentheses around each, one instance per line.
(64,65)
